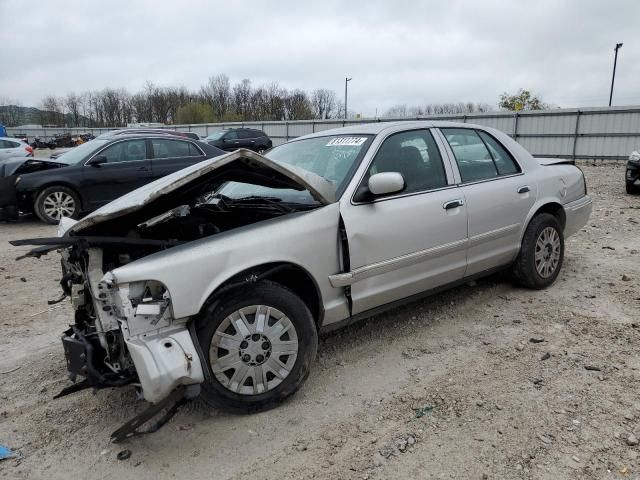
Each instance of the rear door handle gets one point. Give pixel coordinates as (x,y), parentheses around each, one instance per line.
(453,204)
(524,189)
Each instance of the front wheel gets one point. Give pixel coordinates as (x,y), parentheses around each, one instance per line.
(259,345)
(632,189)
(56,202)
(541,253)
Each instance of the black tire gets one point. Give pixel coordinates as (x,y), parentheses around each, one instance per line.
(39,206)
(524,270)
(274,295)
(632,189)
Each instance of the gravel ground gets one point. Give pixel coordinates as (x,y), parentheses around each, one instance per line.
(484,381)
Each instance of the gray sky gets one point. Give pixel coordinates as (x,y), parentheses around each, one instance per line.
(412,52)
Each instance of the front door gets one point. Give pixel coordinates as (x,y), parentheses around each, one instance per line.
(127,168)
(498,197)
(409,242)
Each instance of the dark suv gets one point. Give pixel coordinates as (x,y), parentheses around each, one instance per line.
(96,172)
(235,138)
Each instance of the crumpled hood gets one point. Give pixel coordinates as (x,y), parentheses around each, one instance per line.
(16,165)
(241,165)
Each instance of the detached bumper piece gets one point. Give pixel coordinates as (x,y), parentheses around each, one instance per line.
(130,429)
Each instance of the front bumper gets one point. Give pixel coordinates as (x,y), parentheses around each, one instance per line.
(577,215)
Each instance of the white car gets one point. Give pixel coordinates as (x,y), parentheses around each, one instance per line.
(13,147)
(216,279)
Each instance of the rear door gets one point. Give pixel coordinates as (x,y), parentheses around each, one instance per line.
(170,155)
(498,197)
(127,168)
(408,242)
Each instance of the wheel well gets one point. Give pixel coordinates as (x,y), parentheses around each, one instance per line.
(554,209)
(289,275)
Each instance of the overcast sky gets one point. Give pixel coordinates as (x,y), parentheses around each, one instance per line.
(412,52)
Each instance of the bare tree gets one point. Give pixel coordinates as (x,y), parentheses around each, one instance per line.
(72,102)
(323,102)
(298,106)
(217,93)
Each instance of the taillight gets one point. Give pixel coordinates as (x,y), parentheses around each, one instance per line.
(29,150)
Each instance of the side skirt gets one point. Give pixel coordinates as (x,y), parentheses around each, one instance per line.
(403,301)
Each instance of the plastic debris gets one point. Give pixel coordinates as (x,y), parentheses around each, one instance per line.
(6,452)
(422,411)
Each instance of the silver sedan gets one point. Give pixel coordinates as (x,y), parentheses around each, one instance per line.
(217,279)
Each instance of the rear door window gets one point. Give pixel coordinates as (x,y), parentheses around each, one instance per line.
(165,148)
(472,156)
(505,163)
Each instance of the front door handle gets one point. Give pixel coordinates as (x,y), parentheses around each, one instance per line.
(524,189)
(142,169)
(453,204)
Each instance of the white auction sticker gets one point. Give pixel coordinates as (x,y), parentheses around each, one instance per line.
(346,141)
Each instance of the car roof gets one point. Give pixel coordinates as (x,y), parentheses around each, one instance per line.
(375,128)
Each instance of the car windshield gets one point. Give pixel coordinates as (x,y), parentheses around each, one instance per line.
(331,157)
(215,135)
(79,153)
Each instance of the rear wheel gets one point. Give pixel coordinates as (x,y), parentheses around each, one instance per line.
(259,345)
(541,253)
(56,202)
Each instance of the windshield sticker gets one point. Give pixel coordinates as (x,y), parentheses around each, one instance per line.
(346,141)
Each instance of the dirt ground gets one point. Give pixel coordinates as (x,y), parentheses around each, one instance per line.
(484,381)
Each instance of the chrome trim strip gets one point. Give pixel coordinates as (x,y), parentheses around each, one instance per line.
(385,266)
(490,235)
(578,204)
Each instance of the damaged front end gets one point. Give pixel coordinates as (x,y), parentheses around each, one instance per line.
(125,332)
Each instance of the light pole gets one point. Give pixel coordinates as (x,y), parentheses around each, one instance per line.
(613,77)
(346,82)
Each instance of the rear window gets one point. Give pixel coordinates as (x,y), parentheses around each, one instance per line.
(166,148)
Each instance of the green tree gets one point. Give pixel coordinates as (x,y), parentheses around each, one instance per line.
(523,100)
(195,113)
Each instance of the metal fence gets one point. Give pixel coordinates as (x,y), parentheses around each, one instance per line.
(587,133)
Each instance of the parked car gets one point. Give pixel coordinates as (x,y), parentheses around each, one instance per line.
(96,172)
(62,140)
(236,138)
(13,147)
(216,279)
(632,175)
(22,137)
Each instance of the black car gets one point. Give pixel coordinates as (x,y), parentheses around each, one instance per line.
(231,140)
(632,175)
(94,173)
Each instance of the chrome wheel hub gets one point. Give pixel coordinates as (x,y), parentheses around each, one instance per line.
(547,254)
(59,204)
(253,350)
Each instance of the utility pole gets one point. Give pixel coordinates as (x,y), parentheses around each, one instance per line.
(346,83)
(613,77)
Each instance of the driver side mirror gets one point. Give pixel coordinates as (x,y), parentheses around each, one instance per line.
(97,161)
(383,183)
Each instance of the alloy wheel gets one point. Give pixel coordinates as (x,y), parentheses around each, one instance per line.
(547,253)
(59,204)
